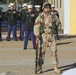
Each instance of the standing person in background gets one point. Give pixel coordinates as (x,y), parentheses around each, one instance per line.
(57,14)
(0,24)
(37,10)
(22,16)
(54,11)
(9,7)
(11,16)
(29,24)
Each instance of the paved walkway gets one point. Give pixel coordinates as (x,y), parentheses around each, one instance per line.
(15,60)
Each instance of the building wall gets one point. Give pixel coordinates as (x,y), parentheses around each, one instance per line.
(66,17)
(70,17)
(73,17)
(59,6)
(67,12)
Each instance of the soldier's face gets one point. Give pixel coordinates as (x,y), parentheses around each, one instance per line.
(29,9)
(11,8)
(53,8)
(46,10)
(25,7)
(37,9)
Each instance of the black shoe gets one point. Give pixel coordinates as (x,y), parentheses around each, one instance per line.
(21,39)
(25,48)
(58,39)
(0,39)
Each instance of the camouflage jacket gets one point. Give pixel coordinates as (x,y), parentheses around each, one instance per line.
(43,23)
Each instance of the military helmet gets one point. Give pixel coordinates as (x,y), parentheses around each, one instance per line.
(46,5)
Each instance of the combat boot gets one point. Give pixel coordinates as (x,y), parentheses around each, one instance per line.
(39,72)
(56,70)
(39,67)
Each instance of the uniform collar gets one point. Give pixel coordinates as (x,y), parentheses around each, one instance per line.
(47,14)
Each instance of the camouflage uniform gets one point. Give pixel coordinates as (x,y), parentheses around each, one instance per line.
(47,36)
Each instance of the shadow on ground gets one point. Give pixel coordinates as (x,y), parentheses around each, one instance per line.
(64,43)
(67,37)
(63,68)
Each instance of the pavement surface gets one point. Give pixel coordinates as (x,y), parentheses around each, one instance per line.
(16,61)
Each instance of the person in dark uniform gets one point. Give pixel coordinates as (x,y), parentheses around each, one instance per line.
(29,24)
(57,14)
(55,11)
(11,16)
(9,7)
(37,10)
(0,24)
(22,16)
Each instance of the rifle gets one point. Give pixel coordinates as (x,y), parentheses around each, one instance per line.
(38,61)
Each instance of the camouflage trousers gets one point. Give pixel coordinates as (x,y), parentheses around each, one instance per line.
(49,41)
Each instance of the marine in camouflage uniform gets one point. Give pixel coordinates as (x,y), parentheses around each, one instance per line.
(43,25)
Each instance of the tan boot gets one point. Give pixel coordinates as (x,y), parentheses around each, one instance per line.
(39,72)
(56,70)
(39,69)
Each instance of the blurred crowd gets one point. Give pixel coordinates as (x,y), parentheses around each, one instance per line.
(27,17)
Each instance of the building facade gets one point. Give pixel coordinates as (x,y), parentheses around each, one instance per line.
(66,9)
(67,12)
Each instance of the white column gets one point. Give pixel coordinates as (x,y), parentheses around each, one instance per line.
(66,16)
